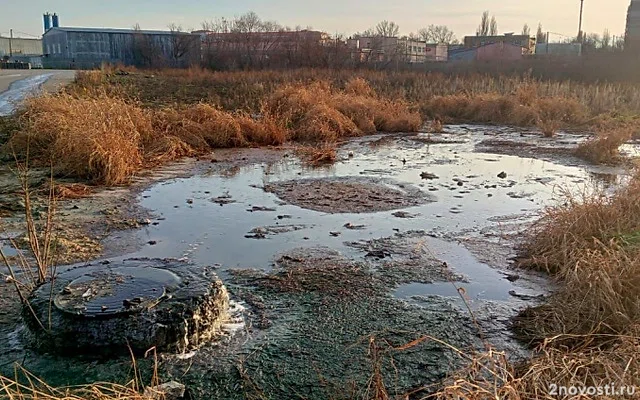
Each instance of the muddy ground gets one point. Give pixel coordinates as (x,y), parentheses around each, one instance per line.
(324,288)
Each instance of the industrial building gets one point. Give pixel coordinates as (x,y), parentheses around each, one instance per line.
(490,53)
(20,47)
(632,37)
(387,49)
(524,41)
(70,47)
(559,49)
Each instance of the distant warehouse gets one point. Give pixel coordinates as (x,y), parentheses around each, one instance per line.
(83,48)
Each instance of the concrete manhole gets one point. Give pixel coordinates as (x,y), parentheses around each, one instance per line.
(349,194)
(139,303)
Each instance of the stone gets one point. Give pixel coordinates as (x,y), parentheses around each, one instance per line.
(502,175)
(166,391)
(103,310)
(428,175)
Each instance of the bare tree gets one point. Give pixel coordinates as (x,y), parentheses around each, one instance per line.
(387,29)
(145,51)
(483,28)
(606,39)
(591,40)
(216,50)
(438,34)
(493,28)
(183,46)
(540,36)
(618,43)
(526,31)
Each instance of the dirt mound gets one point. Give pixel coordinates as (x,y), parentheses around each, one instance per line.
(348,195)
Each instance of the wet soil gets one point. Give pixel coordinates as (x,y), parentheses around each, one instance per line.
(317,316)
(348,195)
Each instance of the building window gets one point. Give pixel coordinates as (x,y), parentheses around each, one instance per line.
(59,49)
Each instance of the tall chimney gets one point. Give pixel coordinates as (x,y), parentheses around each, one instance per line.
(56,20)
(47,21)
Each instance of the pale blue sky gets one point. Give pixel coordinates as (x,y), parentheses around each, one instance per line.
(341,16)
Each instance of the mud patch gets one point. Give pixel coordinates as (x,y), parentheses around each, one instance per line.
(404,258)
(348,195)
(325,314)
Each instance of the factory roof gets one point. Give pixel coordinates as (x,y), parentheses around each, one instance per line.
(115,30)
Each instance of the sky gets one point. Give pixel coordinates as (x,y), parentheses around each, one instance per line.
(333,16)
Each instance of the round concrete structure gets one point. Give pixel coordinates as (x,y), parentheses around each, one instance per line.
(108,308)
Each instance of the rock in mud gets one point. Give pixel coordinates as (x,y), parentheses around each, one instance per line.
(103,309)
(404,214)
(261,208)
(502,175)
(167,391)
(428,175)
(348,195)
(351,226)
(262,232)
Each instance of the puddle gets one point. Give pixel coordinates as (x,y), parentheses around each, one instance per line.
(469,195)
(18,91)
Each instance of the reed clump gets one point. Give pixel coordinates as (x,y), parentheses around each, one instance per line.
(605,145)
(95,135)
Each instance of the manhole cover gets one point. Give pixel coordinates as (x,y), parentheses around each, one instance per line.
(115,291)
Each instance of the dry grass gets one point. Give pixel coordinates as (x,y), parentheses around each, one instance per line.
(491,375)
(36,389)
(518,109)
(317,156)
(27,386)
(97,137)
(587,333)
(605,146)
(245,90)
(106,139)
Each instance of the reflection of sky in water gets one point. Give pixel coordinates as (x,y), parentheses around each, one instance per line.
(207,233)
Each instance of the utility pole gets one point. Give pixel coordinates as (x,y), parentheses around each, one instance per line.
(10,44)
(580,39)
(547,42)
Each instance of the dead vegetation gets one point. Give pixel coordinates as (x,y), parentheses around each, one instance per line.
(605,146)
(316,156)
(106,139)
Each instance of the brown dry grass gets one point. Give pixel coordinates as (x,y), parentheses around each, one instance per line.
(491,375)
(245,90)
(517,109)
(93,134)
(605,146)
(587,334)
(590,245)
(94,137)
(317,156)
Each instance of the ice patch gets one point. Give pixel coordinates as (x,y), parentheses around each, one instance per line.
(18,91)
